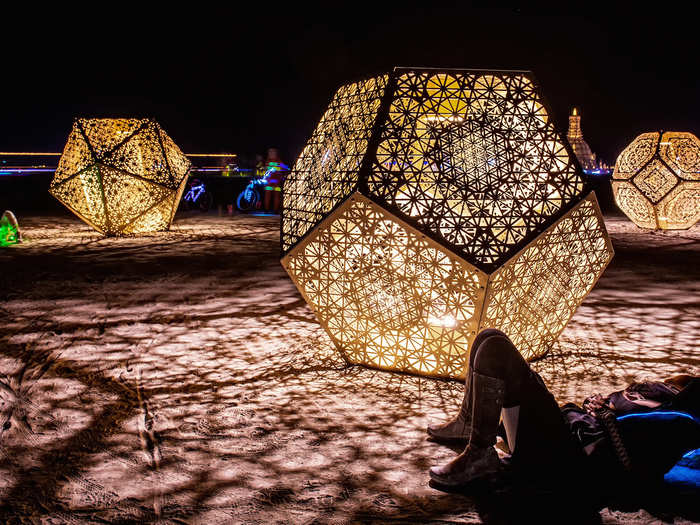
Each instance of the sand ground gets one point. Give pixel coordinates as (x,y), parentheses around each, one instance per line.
(180,378)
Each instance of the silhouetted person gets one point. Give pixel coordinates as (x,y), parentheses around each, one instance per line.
(276,172)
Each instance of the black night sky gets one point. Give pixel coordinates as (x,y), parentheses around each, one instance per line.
(233,80)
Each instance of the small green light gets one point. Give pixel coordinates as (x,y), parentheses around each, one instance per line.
(8,234)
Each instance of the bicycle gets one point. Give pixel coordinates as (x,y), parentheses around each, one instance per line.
(251,197)
(197,196)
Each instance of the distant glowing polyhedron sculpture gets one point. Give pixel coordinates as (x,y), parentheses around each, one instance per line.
(430,204)
(121,176)
(656,181)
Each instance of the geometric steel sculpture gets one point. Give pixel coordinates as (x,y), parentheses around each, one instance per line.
(430,204)
(121,176)
(656,181)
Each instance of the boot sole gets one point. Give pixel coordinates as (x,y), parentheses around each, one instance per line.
(446,439)
(460,482)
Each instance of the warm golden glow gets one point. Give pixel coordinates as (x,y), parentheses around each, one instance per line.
(535,293)
(657,180)
(327,170)
(388,296)
(121,176)
(227,155)
(451,205)
(473,158)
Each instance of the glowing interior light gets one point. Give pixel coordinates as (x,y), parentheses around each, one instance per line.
(134,187)
(447,321)
(406,249)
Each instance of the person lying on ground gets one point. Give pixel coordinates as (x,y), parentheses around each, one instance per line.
(543,437)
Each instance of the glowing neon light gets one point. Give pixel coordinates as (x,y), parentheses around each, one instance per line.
(39,154)
(195,192)
(664,414)
(8,234)
(30,154)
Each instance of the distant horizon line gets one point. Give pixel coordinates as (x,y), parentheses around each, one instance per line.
(41,154)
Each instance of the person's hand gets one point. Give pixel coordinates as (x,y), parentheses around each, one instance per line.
(595,403)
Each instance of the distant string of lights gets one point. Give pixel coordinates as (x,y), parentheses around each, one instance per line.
(28,170)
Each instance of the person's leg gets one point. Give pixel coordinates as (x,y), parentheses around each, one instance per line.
(459,427)
(499,374)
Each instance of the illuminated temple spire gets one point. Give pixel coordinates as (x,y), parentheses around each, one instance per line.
(583,152)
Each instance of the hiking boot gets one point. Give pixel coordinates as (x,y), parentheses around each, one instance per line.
(479,458)
(459,427)
(488,394)
(473,463)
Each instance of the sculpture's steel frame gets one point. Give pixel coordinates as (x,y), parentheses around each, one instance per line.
(653,207)
(121,176)
(486,269)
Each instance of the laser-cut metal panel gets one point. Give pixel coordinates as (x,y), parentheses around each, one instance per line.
(458,175)
(388,296)
(327,171)
(633,203)
(475,159)
(533,295)
(121,176)
(656,181)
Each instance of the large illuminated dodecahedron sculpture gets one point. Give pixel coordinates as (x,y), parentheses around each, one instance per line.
(121,176)
(656,181)
(430,204)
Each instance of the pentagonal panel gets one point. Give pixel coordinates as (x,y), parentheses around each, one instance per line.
(327,170)
(665,168)
(533,296)
(120,175)
(388,296)
(473,158)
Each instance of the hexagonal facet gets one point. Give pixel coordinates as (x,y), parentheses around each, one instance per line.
(458,207)
(656,181)
(121,176)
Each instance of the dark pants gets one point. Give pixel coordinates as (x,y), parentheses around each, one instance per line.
(542,436)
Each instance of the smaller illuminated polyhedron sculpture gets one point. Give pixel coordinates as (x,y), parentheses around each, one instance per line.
(431,204)
(656,181)
(121,176)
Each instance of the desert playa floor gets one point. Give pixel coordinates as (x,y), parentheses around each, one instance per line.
(180,378)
